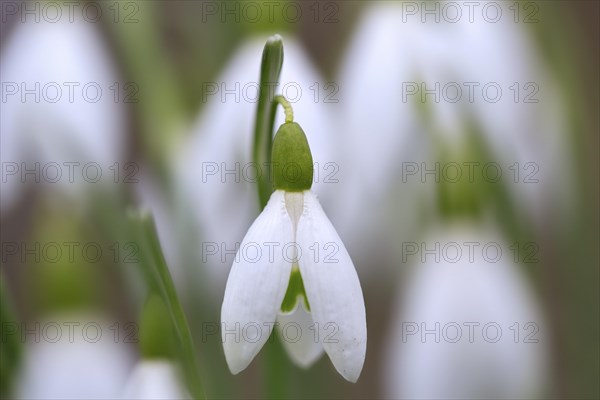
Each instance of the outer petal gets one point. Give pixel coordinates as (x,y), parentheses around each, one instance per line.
(256,285)
(300,339)
(333,290)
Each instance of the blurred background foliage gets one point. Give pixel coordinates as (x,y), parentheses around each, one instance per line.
(170,54)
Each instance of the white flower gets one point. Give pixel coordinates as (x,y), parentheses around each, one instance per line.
(490,340)
(390,49)
(155,379)
(65,360)
(63,110)
(219,204)
(256,288)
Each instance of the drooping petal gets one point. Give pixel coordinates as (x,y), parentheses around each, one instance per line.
(333,290)
(299,336)
(256,285)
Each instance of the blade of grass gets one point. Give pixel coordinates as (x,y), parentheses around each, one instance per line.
(159,278)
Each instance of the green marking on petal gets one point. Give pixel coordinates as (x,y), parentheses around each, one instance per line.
(295,292)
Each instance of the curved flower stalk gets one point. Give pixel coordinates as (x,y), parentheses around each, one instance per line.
(286,273)
(393,54)
(59,106)
(468,326)
(85,368)
(215,175)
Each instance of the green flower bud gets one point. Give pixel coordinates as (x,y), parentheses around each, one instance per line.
(292,160)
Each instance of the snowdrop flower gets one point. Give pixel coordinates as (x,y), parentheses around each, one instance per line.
(214,171)
(68,361)
(155,379)
(392,55)
(58,106)
(289,274)
(467,325)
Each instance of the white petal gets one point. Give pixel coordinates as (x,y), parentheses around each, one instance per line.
(333,290)
(300,340)
(158,379)
(256,285)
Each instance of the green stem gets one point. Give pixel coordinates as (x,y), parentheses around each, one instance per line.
(270,69)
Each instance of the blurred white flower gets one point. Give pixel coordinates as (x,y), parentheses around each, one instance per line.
(72,361)
(394,59)
(155,379)
(58,106)
(256,287)
(467,325)
(214,171)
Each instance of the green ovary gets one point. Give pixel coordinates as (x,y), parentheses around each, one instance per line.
(292,160)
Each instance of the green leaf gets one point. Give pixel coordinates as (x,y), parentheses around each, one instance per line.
(270,70)
(160,283)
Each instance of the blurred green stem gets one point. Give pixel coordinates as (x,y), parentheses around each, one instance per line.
(160,280)
(161,117)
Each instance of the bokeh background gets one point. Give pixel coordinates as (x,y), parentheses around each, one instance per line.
(437,127)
